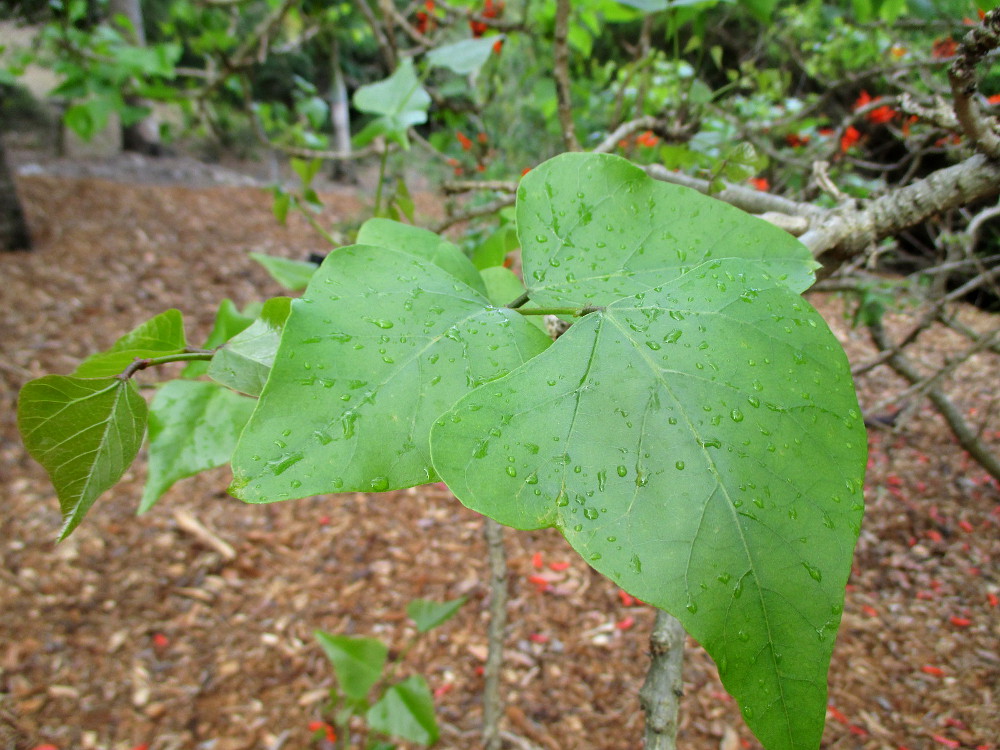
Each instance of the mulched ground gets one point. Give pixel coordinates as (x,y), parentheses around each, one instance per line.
(135,631)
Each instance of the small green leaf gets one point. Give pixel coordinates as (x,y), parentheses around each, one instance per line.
(228,322)
(193,427)
(421,243)
(503,287)
(594,228)
(245,362)
(427,614)
(464,57)
(85,433)
(158,336)
(379,345)
(294,275)
(493,250)
(399,99)
(406,710)
(357,662)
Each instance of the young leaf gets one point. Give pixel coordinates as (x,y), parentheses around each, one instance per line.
(245,362)
(193,427)
(294,275)
(158,336)
(84,432)
(464,57)
(701,445)
(421,243)
(228,322)
(406,710)
(595,228)
(357,662)
(428,615)
(399,99)
(379,345)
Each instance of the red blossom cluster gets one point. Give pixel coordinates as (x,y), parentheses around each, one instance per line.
(425,18)
(944,47)
(646,139)
(879,115)
(491,9)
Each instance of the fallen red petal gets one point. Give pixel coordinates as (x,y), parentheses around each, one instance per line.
(558,567)
(536,561)
(960,622)
(928,669)
(945,741)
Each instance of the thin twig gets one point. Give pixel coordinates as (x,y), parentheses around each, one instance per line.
(966,437)
(492,702)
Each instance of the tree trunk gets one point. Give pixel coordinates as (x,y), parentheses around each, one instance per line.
(13,227)
(143,136)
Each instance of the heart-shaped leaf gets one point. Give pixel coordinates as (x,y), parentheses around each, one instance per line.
(595,228)
(357,662)
(158,336)
(379,345)
(465,56)
(700,444)
(193,427)
(85,432)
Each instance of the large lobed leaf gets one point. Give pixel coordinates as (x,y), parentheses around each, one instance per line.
(381,343)
(595,228)
(699,443)
(85,432)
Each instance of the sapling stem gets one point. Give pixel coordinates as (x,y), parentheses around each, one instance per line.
(142,363)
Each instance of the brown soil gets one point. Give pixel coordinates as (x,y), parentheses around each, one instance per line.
(135,631)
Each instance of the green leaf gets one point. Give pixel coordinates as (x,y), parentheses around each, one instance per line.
(228,322)
(294,275)
(464,57)
(428,615)
(157,337)
(421,243)
(193,427)
(493,250)
(595,228)
(400,98)
(406,710)
(245,362)
(85,433)
(700,444)
(381,343)
(357,662)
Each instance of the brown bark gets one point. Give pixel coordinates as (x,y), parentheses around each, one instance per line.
(13,226)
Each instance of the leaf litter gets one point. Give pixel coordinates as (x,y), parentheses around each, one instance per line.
(135,630)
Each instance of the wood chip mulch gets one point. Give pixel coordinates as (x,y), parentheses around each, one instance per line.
(138,632)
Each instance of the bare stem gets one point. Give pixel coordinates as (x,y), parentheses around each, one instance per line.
(661,693)
(141,363)
(561,74)
(492,702)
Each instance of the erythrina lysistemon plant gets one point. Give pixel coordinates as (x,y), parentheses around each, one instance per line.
(694,435)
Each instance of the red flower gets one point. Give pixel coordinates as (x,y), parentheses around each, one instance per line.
(647,139)
(525,171)
(945,47)
(463,139)
(478,28)
(882,114)
(760,183)
(995,99)
(906,131)
(864,98)
(322,726)
(795,140)
(849,138)
(497,46)
(429,5)
(482,137)
(422,22)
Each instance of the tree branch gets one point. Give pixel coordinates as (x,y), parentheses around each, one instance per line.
(661,693)
(959,427)
(560,73)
